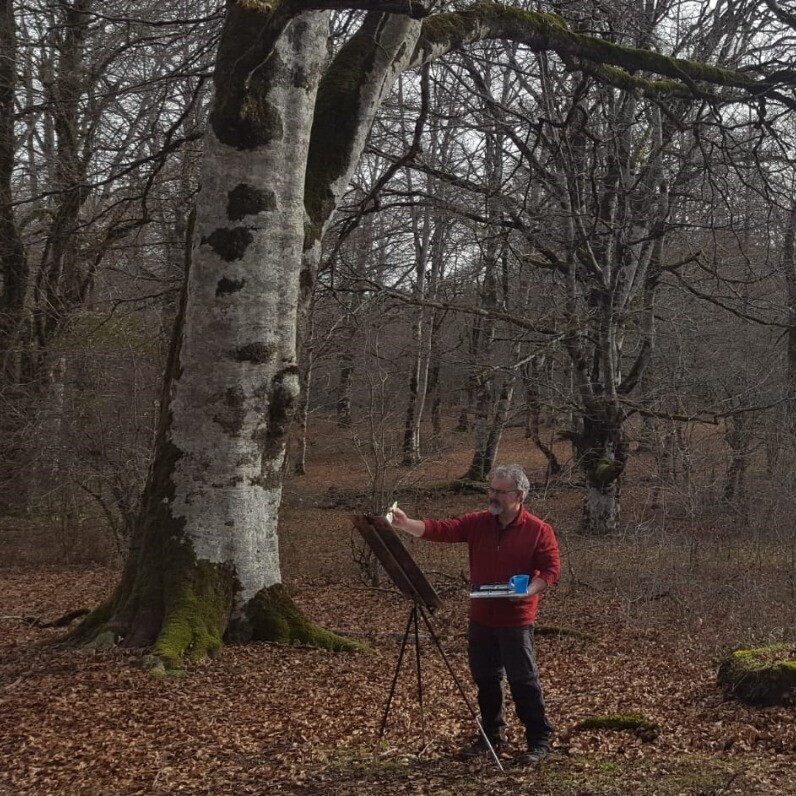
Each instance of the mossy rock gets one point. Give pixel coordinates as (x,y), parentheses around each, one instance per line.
(634,722)
(761,676)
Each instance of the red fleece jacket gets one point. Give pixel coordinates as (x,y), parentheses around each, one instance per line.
(525,547)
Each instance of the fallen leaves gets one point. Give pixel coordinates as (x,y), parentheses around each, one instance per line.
(267,719)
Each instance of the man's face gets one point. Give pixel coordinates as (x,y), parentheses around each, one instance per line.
(504,497)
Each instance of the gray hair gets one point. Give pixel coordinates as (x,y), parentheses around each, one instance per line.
(515,473)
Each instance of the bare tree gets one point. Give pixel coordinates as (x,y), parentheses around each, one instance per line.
(98,121)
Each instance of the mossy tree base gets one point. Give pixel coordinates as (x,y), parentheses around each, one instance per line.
(762,676)
(193,627)
(183,610)
(273,616)
(170,603)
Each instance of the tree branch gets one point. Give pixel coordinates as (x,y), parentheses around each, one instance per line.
(611,63)
(701,415)
(469,310)
(409,8)
(726,307)
(781,14)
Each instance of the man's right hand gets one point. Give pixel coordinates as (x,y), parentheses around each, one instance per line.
(407,524)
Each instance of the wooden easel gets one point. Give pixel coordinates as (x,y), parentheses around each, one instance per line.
(413,584)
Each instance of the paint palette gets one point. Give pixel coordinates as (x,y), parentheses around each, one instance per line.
(517,586)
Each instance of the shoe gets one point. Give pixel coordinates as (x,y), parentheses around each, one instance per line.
(479,748)
(533,756)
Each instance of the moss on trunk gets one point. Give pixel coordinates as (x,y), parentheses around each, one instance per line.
(196,612)
(334,125)
(169,602)
(273,616)
(614,63)
(181,610)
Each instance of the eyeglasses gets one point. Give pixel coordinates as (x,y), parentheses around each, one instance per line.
(491,491)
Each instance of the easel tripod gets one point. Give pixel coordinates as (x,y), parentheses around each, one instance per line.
(412,627)
(413,584)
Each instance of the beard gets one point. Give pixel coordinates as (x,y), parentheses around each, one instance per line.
(494,508)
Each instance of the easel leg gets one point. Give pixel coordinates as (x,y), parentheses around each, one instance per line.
(412,619)
(419,679)
(460,687)
(413,622)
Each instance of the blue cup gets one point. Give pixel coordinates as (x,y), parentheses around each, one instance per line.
(519,583)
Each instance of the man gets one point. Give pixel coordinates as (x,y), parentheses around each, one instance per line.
(503,541)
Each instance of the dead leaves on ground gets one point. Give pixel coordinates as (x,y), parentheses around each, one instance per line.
(265,719)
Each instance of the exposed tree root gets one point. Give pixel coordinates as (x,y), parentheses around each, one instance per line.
(273,616)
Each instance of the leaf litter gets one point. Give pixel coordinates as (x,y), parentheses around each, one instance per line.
(261,718)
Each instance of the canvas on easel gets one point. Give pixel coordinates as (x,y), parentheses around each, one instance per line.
(397,560)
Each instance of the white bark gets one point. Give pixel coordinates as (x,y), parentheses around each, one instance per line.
(601,510)
(238,356)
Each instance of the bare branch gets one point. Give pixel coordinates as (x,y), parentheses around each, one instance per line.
(782,14)
(611,63)
(469,310)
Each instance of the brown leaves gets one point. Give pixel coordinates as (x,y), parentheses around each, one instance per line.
(268,719)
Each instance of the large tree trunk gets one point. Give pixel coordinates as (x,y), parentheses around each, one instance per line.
(602,451)
(204,563)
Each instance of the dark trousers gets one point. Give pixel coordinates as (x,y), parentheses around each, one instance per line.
(493,652)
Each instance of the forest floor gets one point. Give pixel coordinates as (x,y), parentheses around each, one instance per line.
(657,606)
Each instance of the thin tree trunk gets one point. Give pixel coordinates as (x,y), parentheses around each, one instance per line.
(307,355)
(13,262)
(346,372)
(533,415)
(436,398)
(471,389)
(789,270)
(501,414)
(738,437)
(430,256)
